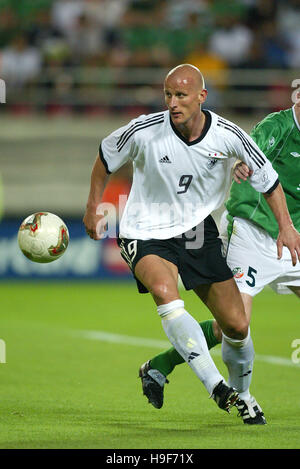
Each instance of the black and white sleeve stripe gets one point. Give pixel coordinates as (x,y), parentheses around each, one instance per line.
(101,156)
(139,125)
(257,157)
(276,183)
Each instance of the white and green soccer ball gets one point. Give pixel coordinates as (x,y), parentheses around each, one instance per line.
(43,237)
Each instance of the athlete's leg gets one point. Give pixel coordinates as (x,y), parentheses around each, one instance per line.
(217,332)
(226,304)
(166,361)
(295,290)
(160,277)
(247,302)
(224,301)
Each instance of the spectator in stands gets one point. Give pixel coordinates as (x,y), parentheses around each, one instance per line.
(64,14)
(215,66)
(58,79)
(107,13)
(41,29)
(256,58)
(231,40)
(288,21)
(260,11)
(178,13)
(9,25)
(274,46)
(86,38)
(19,62)
(140,14)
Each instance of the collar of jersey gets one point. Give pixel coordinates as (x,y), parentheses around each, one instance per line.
(206,127)
(295,117)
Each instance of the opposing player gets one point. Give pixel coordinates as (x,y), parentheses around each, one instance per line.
(182,160)
(249,231)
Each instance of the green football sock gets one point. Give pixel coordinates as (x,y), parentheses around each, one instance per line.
(208,331)
(165,362)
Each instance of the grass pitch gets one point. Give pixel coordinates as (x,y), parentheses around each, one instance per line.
(63,389)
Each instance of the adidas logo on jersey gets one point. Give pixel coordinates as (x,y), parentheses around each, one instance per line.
(165,159)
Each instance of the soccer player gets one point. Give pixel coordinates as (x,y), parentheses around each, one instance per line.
(249,231)
(182,160)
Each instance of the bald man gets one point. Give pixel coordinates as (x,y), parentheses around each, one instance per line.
(182,160)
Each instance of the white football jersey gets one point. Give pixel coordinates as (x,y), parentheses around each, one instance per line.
(177,183)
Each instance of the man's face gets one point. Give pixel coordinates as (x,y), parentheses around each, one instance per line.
(183,97)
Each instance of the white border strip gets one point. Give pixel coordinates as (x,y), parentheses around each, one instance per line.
(125,339)
(103,336)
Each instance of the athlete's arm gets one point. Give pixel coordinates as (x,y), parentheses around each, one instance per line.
(288,236)
(91,220)
(114,151)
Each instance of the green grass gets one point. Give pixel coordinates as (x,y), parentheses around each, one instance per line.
(61,390)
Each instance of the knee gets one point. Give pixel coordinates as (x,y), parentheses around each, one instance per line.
(237,330)
(163,291)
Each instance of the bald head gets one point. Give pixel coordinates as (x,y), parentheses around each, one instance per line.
(184,95)
(186,75)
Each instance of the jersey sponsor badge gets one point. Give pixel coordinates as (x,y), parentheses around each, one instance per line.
(211,162)
(237,272)
(263,177)
(213,159)
(271,142)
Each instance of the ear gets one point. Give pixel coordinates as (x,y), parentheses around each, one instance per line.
(202,96)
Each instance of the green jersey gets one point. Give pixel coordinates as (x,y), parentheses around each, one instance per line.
(278,136)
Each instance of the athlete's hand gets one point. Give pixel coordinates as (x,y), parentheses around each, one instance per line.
(241,171)
(94,224)
(290,238)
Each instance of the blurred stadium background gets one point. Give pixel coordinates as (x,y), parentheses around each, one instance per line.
(77,69)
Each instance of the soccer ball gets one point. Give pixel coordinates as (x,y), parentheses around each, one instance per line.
(43,237)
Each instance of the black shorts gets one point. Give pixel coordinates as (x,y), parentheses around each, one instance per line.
(196,265)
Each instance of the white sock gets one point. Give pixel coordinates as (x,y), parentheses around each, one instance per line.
(186,335)
(238,355)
